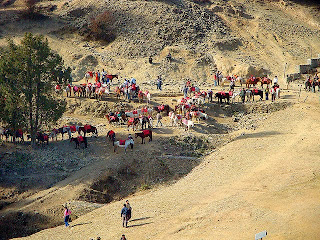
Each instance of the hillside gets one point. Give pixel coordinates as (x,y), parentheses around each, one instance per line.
(249,167)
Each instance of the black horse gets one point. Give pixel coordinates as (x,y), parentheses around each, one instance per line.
(222,95)
(257,92)
(79,140)
(163,108)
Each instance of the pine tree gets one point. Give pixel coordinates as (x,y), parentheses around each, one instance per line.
(27,72)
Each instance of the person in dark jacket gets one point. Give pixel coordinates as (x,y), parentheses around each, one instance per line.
(124,216)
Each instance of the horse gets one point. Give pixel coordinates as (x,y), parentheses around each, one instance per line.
(199,115)
(144,134)
(76,90)
(265,80)
(252,81)
(123,143)
(143,121)
(42,138)
(119,91)
(234,95)
(88,91)
(112,136)
(54,134)
(112,118)
(64,130)
(100,92)
(14,135)
(110,76)
(162,108)
(257,92)
(132,122)
(222,95)
(188,124)
(79,140)
(308,85)
(58,89)
(88,129)
(248,95)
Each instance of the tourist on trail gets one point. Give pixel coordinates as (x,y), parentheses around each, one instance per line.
(66,216)
(123,237)
(243,95)
(124,212)
(159,117)
(129,210)
(210,93)
(267,92)
(275,80)
(185,91)
(159,83)
(150,60)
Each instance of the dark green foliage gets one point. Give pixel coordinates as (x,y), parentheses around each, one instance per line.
(27,77)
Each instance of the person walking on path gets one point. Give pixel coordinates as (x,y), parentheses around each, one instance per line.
(159,83)
(123,237)
(124,213)
(243,95)
(129,210)
(66,216)
(159,117)
(267,92)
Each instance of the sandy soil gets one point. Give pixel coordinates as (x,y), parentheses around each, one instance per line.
(266,179)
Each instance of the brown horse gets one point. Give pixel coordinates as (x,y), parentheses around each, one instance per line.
(110,76)
(140,96)
(79,140)
(265,80)
(133,122)
(252,81)
(144,134)
(88,129)
(112,118)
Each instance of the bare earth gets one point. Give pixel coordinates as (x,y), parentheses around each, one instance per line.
(267,179)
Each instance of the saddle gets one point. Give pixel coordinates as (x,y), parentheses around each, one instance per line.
(73,128)
(122,142)
(45,137)
(80,139)
(161,107)
(135,112)
(146,132)
(87,127)
(110,133)
(112,118)
(131,120)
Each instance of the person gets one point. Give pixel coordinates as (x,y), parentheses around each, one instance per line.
(217,77)
(104,74)
(129,209)
(124,212)
(159,117)
(159,83)
(150,60)
(98,238)
(130,137)
(66,216)
(123,237)
(185,91)
(275,80)
(210,93)
(267,92)
(243,95)
(169,57)
(273,94)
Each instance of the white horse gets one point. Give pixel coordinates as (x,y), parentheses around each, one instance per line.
(125,145)
(188,124)
(234,95)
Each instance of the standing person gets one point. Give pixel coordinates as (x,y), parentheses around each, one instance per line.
(123,237)
(129,210)
(66,216)
(124,212)
(159,83)
(210,93)
(243,95)
(267,92)
(275,80)
(159,117)
(103,74)
(217,77)
(185,91)
(130,137)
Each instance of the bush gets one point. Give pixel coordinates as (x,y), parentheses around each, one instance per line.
(101,27)
(31,12)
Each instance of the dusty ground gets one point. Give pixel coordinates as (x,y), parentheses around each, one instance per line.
(263,179)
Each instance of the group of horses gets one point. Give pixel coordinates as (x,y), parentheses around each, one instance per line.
(125,143)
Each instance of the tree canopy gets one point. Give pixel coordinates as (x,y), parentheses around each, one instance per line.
(28,73)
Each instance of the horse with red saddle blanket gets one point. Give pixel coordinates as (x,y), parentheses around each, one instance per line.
(144,134)
(112,136)
(162,108)
(88,129)
(223,95)
(257,92)
(80,140)
(133,122)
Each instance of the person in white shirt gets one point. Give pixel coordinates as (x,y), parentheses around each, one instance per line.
(275,80)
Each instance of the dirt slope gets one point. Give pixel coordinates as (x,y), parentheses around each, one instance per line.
(267,179)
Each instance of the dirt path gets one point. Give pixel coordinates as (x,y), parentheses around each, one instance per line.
(267,179)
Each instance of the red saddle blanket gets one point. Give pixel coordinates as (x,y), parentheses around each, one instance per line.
(131,120)
(146,132)
(73,128)
(80,139)
(122,142)
(87,127)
